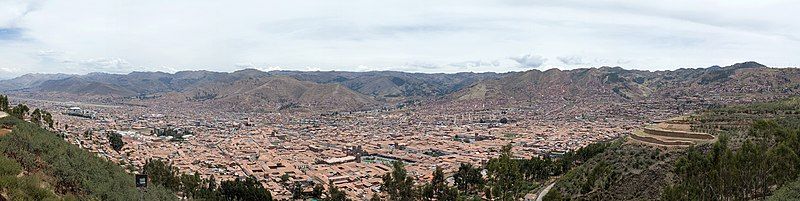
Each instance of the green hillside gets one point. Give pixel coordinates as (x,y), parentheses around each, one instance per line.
(754,158)
(37,164)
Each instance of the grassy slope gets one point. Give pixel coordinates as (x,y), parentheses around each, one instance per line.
(65,169)
(639,172)
(627,172)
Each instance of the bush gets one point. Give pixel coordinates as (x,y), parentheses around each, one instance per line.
(9,167)
(789,191)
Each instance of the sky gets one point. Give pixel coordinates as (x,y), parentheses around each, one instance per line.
(82,36)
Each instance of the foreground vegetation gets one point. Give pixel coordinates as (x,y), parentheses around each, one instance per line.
(63,171)
(754,158)
(507,177)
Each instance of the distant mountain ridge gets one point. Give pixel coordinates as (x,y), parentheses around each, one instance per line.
(339,90)
(617,84)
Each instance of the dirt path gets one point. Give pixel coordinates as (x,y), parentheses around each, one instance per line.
(544,192)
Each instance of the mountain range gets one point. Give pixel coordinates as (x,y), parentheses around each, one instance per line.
(334,90)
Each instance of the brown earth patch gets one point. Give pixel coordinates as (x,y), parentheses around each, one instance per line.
(4,131)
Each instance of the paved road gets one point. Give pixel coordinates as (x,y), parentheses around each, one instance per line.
(544,192)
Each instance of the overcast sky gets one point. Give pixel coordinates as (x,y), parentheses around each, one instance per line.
(79,36)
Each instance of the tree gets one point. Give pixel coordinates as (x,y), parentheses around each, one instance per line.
(318,191)
(209,190)
(438,189)
(468,179)
(334,194)
(41,117)
(162,174)
(285,178)
(553,195)
(115,139)
(191,184)
(398,184)
(19,111)
(48,119)
(506,182)
(297,191)
(244,189)
(765,160)
(4,103)
(36,117)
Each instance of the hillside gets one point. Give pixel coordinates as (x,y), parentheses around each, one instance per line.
(390,84)
(254,90)
(756,154)
(748,80)
(40,165)
(278,92)
(29,81)
(244,90)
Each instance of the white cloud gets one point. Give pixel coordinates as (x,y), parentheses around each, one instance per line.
(529,60)
(476,64)
(573,60)
(447,36)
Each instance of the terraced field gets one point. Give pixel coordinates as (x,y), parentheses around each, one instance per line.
(675,132)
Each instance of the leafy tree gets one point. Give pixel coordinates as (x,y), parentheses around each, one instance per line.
(20,111)
(398,184)
(503,120)
(505,179)
(318,191)
(115,139)
(766,159)
(334,194)
(468,179)
(208,190)
(191,184)
(297,191)
(285,178)
(36,117)
(244,189)
(4,103)
(162,174)
(48,119)
(438,189)
(41,117)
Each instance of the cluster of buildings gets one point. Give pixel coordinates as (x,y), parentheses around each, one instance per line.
(350,150)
